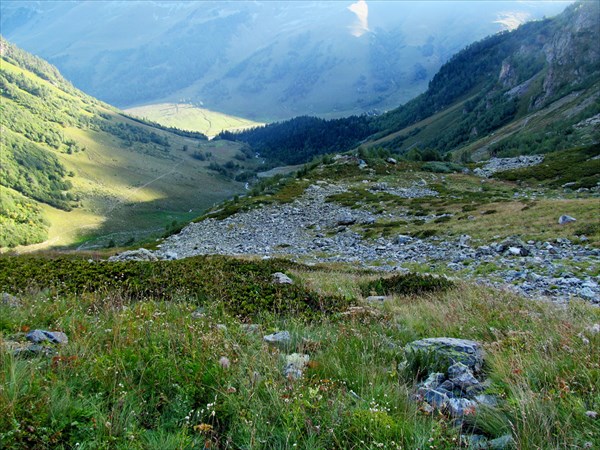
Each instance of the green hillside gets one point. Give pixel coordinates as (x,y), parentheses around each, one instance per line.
(75,169)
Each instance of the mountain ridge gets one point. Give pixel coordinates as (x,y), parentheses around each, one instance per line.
(263,61)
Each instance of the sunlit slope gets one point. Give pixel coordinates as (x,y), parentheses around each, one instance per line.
(75,170)
(191,117)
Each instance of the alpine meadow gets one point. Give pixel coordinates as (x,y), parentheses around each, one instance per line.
(316,225)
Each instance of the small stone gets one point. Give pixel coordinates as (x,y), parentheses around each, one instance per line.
(10,300)
(281,278)
(460,375)
(294,365)
(281,337)
(460,406)
(594,329)
(346,220)
(221,327)
(433,380)
(447,385)
(56,337)
(34,350)
(436,399)
(591,414)
(488,400)
(391,161)
(376,298)
(403,239)
(587,293)
(566,219)
(427,408)
(199,313)
(501,443)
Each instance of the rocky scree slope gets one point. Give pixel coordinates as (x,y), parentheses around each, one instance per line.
(314,228)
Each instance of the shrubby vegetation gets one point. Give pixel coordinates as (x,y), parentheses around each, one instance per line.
(34,172)
(21,220)
(130,133)
(248,289)
(576,165)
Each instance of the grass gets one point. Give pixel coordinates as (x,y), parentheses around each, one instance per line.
(141,372)
(190,117)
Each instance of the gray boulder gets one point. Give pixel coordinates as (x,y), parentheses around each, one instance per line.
(436,399)
(566,219)
(294,365)
(281,337)
(458,407)
(346,220)
(444,352)
(433,380)
(56,337)
(141,254)
(281,278)
(402,239)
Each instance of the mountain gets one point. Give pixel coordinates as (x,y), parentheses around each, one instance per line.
(75,169)
(532,90)
(259,60)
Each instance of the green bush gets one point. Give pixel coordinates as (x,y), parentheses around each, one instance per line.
(406,284)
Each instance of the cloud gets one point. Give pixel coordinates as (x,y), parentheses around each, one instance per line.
(512,19)
(361,26)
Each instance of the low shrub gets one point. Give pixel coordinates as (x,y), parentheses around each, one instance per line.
(406,284)
(244,287)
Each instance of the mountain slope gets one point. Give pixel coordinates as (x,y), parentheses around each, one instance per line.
(260,60)
(74,168)
(529,91)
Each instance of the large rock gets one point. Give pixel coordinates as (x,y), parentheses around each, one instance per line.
(281,337)
(443,352)
(566,219)
(141,254)
(294,365)
(281,278)
(56,337)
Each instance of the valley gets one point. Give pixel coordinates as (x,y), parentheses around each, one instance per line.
(424,277)
(120,180)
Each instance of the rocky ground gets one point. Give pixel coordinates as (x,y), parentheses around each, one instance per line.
(312,230)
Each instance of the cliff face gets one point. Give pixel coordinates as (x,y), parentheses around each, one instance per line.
(573,52)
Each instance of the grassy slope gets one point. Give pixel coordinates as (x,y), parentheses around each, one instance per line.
(129,192)
(143,373)
(190,117)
